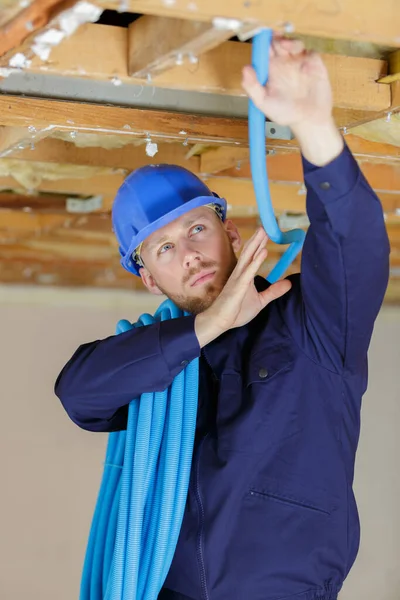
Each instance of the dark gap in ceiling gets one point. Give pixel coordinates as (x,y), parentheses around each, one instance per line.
(124,19)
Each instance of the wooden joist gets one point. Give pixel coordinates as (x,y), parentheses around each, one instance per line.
(239,192)
(76,117)
(350,20)
(155,44)
(357,95)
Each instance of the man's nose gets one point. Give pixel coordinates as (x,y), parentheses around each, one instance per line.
(190,256)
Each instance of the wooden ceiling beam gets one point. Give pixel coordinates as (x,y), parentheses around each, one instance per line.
(239,193)
(156,44)
(373,22)
(58,271)
(29,19)
(129,156)
(138,124)
(288,168)
(216,160)
(19,138)
(356,93)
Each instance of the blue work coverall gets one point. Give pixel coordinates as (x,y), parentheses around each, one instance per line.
(270,513)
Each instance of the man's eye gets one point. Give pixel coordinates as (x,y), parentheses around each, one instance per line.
(164,248)
(197,227)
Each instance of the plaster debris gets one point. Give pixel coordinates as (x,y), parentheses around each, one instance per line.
(123,6)
(19,61)
(288,27)
(29,26)
(151,149)
(223,23)
(52,37)
(82,12)
(4,72)
(42,51)
(116,81)
(64,25)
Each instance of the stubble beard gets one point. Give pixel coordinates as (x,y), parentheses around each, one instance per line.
(210,291)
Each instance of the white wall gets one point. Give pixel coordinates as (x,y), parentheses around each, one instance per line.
(50,470)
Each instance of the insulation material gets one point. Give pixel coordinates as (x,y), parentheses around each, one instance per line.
(31,174)
(19,61)
(385,130)
(98,140)
(67,23)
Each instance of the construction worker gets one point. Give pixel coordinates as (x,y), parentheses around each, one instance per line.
(270,512)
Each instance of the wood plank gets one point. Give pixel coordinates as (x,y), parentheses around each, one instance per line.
(14,138)
(211,161)
(350,20)
(288,168)
(155,44)
(101,274)
(37,14)
(217,160)
(128,157)
(394,68)
(219,71)
(239,192)
(130,122)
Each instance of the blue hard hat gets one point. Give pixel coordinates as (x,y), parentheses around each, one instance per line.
(151,197)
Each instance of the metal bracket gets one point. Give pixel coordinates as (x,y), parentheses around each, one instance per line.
(278,132)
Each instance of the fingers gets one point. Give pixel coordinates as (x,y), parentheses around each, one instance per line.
(276,290)
(285,47)
(256,243)
(253,87)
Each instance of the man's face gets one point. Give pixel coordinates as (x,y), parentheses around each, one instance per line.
(191,259)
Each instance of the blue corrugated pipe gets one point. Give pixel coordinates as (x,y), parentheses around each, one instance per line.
(260,59)
(143,492)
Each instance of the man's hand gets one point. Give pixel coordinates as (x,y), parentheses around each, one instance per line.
(239,302)
(298,87)
(298,94)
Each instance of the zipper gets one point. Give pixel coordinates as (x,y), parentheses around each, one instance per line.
(200,535)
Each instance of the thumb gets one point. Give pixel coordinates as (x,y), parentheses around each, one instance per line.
(276,290)
(253,87)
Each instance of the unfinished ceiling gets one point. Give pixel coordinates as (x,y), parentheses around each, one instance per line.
(89,91)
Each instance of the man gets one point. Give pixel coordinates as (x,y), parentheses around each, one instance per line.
(270,512)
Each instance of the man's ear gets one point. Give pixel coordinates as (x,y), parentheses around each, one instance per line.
(233,234)
(150,282)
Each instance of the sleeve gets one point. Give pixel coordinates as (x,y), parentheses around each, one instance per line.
(102,377)
(345,266)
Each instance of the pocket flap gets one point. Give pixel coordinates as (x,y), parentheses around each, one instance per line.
(266,363)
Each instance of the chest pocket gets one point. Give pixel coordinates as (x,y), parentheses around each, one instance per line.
(242,406)
(267,363)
